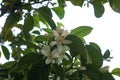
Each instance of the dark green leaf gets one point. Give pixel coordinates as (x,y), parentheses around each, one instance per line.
(27,6)
(77,2)
(29,60)
(5,52)
(95,46)
(28,23)
(47,30)
(98,8)
(60,72)
(36,32)
(61,3)
(80,49)
(106,54)
(39,72)
(95,55)
(106,76)
(23,42)
(92,74)
(46,14)
(116,71)
(28,37)
(40,38)
(81,31)
(9,64)
(115,5)
(59,11)
(11,21)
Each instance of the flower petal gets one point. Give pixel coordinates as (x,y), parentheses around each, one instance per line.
(55,33)
(53,43)
(45,50)
(55,53)
(48,60)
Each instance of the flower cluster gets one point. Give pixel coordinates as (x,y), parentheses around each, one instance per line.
(55,50)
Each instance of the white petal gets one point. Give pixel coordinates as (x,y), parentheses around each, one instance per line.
(55,53)
(53,43)
(66,57)
(55,33)
(82,68)
(58,60)
(48,61)
(46,50)
(60,47)
(67,42)
(64,33)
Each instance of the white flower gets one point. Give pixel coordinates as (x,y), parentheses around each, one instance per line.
(51,55)
(60,35)
(82,68)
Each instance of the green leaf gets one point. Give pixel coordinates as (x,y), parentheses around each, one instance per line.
(92,74)
(115,5)
(80,49)
(9,64)
(28,23)
(36,19)
(77,2)
(40,38)
(106,76)
(81,31)
(95,55)
(59,11)
(61,3)
(29,60)
(39,72)
(95,46)
(46,14)
(36,32)
(28,37)
(106,54)
(116,71)
(98,8)
(60,72)
(11,21)
(5,52)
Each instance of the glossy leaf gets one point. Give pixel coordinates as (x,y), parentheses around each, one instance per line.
(95,55)
(29,60)
(92,74)
(77,2)
(61,3)
(116,71)
(77,47)
(36,32)
(40,38)
(36,19)
(95,46)
(5,52)
(9,64)
(106,54)
(39,72)
(115,5)
(59,72)
(98,8)
(106,76)
(46,14)
(59,11)
(28,37)
(10,22)
(28,24)
(81,31)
